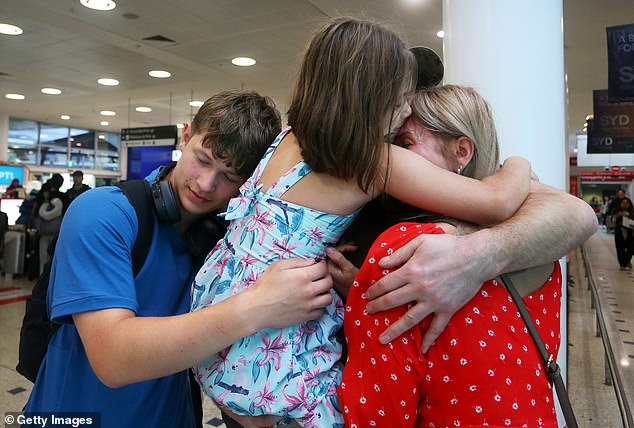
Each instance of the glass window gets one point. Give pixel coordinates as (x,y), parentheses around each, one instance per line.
(25,156)
(22,133)
(53,135)
(83,158)
(107,155)
(107,161)
(108,142)
(82,138)
(53,156)
(49,144)
(22,145)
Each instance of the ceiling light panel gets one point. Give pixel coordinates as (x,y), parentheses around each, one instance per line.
(160,74)
(106,81)
(99,4)
(14,96)
(10,30)
(51,91)
(243,61)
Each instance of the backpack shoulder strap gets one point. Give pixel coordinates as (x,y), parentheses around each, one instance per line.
(139,194)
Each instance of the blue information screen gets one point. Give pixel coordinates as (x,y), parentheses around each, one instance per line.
(145,159)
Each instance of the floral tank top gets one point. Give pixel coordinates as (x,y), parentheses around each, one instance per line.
(274,371)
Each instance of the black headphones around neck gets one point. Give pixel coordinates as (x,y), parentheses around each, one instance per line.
(165,204)
(201,236)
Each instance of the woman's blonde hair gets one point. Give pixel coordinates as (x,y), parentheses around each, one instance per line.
(453,111)
(352,75)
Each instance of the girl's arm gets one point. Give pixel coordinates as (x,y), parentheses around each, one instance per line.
(416,181)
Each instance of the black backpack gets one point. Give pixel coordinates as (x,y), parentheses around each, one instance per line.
(37,329)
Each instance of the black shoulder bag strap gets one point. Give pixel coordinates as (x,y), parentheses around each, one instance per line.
(140,196)
(552,368)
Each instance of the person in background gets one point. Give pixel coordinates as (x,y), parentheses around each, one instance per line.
(15,190)
(603,211)
(624,234)
(78,186)
(614,207)
(126,342)
(50,206)
(477,370)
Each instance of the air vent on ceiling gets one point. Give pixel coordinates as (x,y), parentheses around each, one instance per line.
(159,38)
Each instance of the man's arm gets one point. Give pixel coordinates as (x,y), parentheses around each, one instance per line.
(123,348)
(440,273)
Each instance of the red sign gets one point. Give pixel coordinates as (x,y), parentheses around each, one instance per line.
(606,176)
(574,185)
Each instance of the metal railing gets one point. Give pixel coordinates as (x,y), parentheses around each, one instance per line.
(612,375)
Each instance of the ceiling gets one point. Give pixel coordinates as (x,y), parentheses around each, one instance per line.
(67,46)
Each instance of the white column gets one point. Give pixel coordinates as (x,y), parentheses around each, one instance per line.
(4,137)
(512,52)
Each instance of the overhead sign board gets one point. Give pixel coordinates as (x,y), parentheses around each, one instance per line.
(621,62)
(151,136)
(612,129)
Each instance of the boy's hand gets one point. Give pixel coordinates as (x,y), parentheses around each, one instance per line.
(291,291)
(341,270)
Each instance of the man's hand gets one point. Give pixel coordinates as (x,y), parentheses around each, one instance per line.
(340,269)
(291,291)
(439,274)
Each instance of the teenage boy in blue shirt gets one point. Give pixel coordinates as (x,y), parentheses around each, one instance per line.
(126,342)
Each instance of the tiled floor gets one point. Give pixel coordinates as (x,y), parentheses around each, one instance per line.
(593,401)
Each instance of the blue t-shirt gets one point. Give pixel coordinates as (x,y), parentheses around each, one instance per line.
(92,270)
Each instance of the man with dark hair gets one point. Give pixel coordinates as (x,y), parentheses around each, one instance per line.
(126,342)
(78,186)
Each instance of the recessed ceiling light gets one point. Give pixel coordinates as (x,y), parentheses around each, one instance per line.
(98,4)
(102,137)
(14,96)
(161,74)
(108,82)
(243,61)
(441,34)
(180,125)
(10,30)
(196,103)
(51,91)
(65,117)
(143,109)
(104,123)
(107,113)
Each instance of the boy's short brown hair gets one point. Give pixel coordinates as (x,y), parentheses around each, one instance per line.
(238,126)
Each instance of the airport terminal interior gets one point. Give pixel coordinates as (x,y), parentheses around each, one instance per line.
(158,60)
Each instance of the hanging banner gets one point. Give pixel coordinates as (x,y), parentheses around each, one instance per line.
(612,130)
(621,62)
